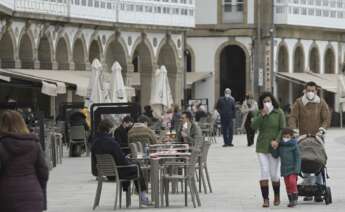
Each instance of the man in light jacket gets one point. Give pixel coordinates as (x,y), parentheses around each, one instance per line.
(310,115)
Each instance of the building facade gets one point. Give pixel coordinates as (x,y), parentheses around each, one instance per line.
(69,34)
(270,45)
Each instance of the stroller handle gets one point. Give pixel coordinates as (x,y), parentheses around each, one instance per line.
(320,138)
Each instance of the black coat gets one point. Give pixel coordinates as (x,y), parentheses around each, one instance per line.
(226,108)
(106,144)
(23,183)
(121,136)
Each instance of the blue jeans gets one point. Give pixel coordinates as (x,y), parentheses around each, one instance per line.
(227,130)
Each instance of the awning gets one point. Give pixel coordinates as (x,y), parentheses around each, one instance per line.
(192,77)
(5,78)
(59,78)
(327,82)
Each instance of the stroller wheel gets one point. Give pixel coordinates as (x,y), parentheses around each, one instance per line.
(328,196)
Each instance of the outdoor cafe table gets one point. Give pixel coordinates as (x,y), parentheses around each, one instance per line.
(155,160)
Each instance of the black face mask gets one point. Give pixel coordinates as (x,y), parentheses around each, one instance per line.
(247,97)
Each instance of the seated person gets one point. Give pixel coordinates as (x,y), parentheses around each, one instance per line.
(190,131)
(200,113)
(104,143)
(140,132)
(121,133)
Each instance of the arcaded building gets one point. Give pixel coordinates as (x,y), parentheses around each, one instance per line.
(55,41)
(275,45)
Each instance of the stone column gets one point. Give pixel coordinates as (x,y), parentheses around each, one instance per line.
(17,63)
(55,65)
(71,66)
(88,66)
(35,58)
(69,96)
(52,106)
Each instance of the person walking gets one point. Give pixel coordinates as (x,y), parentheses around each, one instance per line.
(24,171)
(310,115)
(269,121)
(287,150)
(226,108)
(249,107)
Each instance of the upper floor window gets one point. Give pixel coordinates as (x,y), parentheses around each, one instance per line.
(233,5)
(233,11)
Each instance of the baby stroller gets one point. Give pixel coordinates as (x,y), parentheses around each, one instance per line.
(313,162)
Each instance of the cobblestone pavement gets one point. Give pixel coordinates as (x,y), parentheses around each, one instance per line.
(234,174)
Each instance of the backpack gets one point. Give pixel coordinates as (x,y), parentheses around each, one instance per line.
(313,155)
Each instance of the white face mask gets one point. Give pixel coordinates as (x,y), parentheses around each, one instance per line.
(269,106)
(286,139)
(185,125)
(227,95)
(310,95)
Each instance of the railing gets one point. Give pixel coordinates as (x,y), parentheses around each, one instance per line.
(317,13)
(152,12)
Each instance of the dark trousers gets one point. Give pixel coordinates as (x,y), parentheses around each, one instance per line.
(250,132)
(227,130)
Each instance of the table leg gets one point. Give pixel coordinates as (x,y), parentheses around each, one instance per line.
(155,182)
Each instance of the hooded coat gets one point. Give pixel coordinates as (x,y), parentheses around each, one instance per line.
(24,179)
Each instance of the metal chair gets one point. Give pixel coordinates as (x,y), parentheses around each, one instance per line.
(188,177)
(202,166)
(107,167)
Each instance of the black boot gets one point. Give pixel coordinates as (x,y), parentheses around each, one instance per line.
(265,192)
(276,189)
(295,198)
(292,200)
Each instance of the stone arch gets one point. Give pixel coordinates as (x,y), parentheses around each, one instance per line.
(79,53)
(7,50)
(283,58)
(26,49)
(217,78)
(167,56)
(95,50)
(298,67)
(314,59)
(329,60)
(142,40)
(298,59)
(45,51)
(143,61)
(189,59)
(62,53)
(116,50)
(283,66)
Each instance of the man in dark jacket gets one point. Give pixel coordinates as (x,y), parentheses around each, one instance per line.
(104,143)
(226,108)
(121,133)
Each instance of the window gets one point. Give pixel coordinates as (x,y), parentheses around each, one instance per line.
(239,5)
(233,6)
(228,6)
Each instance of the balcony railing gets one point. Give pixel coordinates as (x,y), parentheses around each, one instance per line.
(180,13)
(316,13)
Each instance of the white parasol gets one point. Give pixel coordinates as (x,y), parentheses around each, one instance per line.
(161,97)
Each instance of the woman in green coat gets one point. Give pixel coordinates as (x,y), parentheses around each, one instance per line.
(268,121)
